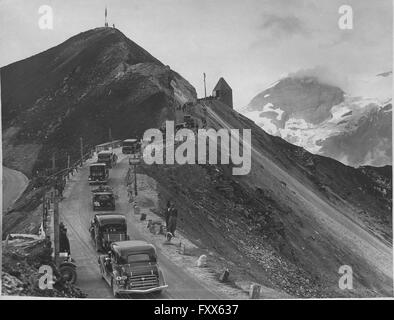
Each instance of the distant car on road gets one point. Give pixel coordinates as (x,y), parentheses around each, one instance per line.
(131,146)
(132,267)
(107,157)
(180,126)
(98,173)
(107,228)
(103,198)
(189,121)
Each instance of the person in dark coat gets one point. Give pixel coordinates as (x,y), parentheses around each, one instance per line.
(172,220)
(64,243)
(167,214)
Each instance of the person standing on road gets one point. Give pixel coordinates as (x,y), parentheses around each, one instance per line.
(64,243)
(173,212)
(167,214)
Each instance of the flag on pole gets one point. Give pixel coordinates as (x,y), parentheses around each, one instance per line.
(205,86)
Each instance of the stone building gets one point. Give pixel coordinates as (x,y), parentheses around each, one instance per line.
(223,92)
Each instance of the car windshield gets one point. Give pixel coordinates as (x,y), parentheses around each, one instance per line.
(139,257)
(96,169)
(129,143)
(103,197)
(104,156)
(114,229)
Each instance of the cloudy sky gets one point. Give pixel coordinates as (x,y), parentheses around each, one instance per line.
(251,43)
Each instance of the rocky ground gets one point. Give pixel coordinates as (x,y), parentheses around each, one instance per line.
(244,228)
(22,258)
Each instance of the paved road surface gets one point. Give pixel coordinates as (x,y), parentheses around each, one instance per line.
(14,183)
(76,211)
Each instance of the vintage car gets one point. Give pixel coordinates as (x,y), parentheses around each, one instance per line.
(107,228)
(98,173)
(131,146)
(107,157)
(180,126)
(131,267)
(189,121)
(103,198)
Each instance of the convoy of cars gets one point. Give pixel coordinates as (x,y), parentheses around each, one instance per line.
(128,266)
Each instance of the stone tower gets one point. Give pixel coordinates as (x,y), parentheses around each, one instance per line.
(223,92)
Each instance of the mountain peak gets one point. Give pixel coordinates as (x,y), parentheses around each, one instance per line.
(319,117)
(304,97)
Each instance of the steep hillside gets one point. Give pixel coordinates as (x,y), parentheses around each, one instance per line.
(94,81)
(325,121)
(293,220)
(290,224)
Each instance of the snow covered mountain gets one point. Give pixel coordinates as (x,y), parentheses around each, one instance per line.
(324,120)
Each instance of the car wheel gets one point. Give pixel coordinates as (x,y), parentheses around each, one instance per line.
(68,273)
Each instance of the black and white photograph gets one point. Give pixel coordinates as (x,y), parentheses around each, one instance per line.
(196,150)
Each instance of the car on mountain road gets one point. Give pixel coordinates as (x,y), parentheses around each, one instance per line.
(131,267)
(107,228)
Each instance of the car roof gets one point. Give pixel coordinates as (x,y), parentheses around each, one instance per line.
(105,152)
(98,164)
(125,248)
(104,190)
(107,219)
(130,140)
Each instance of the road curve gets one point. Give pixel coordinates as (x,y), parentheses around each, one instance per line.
(76,212)
(13,184)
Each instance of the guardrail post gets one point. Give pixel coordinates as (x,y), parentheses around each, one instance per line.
(68,165)
(56,226)
(53,163)
(81,145)
(135,180)
(44,213)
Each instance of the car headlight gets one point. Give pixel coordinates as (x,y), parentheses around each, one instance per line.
(121,279)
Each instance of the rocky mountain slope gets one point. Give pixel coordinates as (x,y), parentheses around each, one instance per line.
(92,82)
(324,120)
(289,224)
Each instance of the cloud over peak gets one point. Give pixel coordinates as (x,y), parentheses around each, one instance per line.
(283,26)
